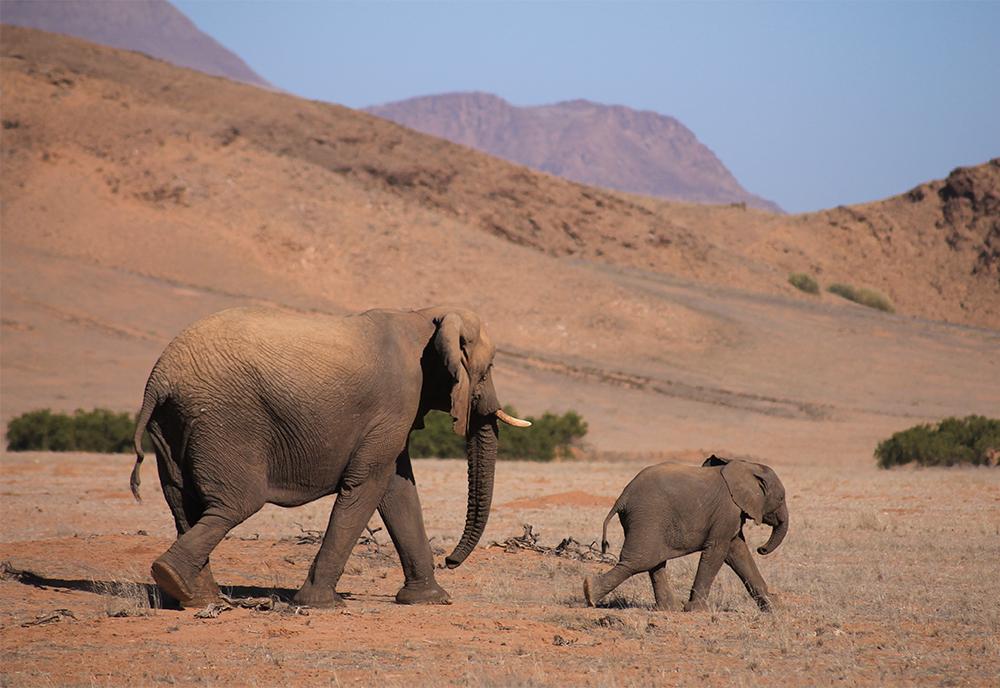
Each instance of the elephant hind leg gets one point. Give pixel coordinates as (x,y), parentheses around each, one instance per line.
(643,551)
(203,588)
(183,571)
(597,587)
(661,588)
(187,509)
(171,479)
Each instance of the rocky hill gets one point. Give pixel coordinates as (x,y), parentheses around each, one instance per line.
(137,196)
(153,27)
(610,146)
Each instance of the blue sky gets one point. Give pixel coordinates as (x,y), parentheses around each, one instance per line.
(809,104)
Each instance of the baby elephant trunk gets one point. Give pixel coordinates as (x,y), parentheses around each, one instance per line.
(778,532)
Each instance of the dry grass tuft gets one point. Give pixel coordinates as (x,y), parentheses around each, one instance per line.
(127,598)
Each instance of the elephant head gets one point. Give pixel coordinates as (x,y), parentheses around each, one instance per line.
(757,491)
(459,368)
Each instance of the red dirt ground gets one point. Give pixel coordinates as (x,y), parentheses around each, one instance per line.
(887,578)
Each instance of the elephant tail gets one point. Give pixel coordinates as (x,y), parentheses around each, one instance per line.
(150,400)
(616,509)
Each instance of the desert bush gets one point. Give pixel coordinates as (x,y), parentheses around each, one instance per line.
(550,436)
(99,430)
(804,282)
(973,439)
(866,297)
(436,439)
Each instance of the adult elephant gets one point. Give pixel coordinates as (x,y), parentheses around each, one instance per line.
(255,406)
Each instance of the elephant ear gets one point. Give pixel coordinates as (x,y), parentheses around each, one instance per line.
(714,460)
(449,344)
(746,488)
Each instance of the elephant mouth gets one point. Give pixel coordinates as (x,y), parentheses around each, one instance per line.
(512,420)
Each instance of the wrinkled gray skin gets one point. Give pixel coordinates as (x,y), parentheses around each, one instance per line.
(255,406)
(670,510)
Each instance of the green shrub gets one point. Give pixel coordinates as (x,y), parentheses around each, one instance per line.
(436,439)
(973,439)
(550,436)
(866,297)
(804,282)
(99,430)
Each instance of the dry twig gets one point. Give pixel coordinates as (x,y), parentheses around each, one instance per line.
(568,547)
(52,617)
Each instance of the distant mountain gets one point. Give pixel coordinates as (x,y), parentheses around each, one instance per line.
(605,145)
(153,27)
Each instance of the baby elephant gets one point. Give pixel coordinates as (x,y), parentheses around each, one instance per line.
(670,510)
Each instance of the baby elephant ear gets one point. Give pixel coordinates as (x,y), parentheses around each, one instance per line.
(746,488)
(714,460)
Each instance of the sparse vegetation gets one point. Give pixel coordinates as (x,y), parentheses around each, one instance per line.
(862,295)
(550,436)
(804,282)
(127,598)
(973,440)
(98,430)
(890,529)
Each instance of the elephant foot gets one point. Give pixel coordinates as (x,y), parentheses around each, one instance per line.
(422,592)
(205,585)
(696,605)
(319,596)
(588,587)
(189,592)
(764,603)
(664,606)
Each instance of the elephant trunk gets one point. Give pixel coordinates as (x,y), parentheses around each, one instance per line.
(481,449)
(778,532)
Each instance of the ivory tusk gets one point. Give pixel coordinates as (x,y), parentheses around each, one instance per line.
(511,420)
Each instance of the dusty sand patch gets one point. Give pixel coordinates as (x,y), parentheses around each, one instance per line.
(886,578)
(574,498)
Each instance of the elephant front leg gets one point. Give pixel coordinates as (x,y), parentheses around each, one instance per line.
(351,512)
(741,561)
(403,518)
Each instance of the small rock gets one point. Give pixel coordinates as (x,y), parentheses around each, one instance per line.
(610,621)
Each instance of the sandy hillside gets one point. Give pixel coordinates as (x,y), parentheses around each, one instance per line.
(138,196)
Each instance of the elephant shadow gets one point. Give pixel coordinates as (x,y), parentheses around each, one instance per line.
(153,597)
(614,601)
(623,602)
